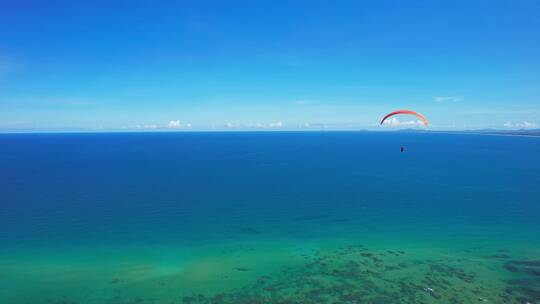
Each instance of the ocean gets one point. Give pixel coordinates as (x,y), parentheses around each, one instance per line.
(269,217)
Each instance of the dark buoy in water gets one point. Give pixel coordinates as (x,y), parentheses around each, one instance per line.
(402,149)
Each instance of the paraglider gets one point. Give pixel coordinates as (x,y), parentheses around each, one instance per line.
(409,112)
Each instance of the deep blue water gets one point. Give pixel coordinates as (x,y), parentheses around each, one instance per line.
(67,188)
(99,191)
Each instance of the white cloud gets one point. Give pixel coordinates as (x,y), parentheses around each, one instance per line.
(520,125)
(140,127)
(174,124)
(394,122)
(277,124)
(230,125)
(447,98)
(256,125)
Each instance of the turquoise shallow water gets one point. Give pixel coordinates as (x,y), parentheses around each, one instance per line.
(269,217)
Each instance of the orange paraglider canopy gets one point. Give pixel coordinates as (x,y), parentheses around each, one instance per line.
(426,122)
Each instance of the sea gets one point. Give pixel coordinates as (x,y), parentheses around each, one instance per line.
(269,217)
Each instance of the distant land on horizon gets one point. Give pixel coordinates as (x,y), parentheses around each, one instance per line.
(520,132)
(523,132)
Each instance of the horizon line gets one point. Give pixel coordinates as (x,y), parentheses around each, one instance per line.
(485,131)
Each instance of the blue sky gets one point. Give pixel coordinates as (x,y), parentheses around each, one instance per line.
(267,65)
